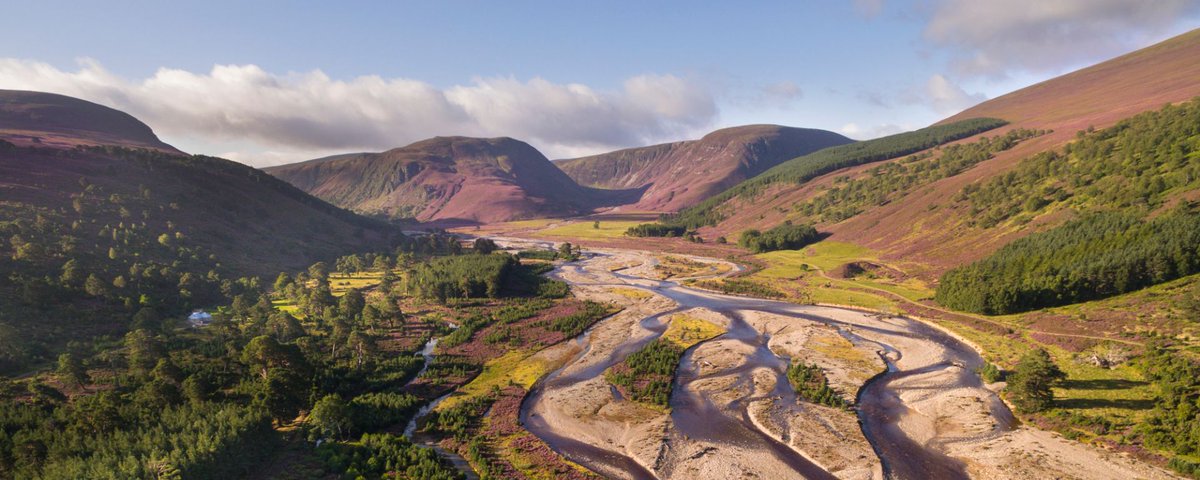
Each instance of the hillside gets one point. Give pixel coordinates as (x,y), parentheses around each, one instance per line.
(46,119)
(681,174)
(1102,94)
(94,232)
(449,179)
(909,221)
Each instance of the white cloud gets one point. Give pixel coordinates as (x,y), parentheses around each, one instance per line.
(270,117)
(946,97)
(993,37)
(853,130)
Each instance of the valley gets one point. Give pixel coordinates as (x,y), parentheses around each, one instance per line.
(1008,291)
(732,412)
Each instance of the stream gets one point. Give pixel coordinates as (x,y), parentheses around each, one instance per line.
(410,430)
(694,416)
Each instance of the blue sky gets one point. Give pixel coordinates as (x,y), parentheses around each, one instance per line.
(270,82)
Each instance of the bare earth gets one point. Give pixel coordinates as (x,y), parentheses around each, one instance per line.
(940,415)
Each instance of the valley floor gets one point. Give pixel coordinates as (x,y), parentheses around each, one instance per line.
(732,412)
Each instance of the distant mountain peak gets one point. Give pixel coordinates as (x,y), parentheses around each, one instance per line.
(681,174)
(449,179)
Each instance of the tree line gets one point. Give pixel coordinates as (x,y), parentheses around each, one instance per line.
(802,169)
(889,181)
(1096,256)
(783,237)
(1139,163)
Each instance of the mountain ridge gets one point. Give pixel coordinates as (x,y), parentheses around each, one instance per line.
(448,179)
(680,174)
(29,118)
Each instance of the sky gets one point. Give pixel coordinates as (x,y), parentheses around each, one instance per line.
(271,82)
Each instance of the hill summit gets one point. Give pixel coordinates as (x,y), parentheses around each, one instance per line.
(449,179)
(52,120)
(681,174)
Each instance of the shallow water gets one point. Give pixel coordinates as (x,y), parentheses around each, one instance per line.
(695,416)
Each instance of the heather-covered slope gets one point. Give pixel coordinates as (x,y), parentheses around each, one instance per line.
(47,119)
(94,234)
(449,179)
(1104,93)
(916,220)
(681,174)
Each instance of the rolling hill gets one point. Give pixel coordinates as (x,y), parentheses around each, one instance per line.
(449,180)
(916,218)
(47,119)
(681,174)
(95,228)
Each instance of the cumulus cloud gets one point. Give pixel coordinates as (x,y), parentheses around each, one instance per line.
(853,130)
(992,38)
(946,97)
(311,112)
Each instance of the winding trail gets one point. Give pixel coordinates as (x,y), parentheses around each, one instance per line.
(918,357)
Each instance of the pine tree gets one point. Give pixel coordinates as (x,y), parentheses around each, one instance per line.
(1031,384)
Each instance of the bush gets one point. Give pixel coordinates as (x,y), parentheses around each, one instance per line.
(990,373)
(810,384)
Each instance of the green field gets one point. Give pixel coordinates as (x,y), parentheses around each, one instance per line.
(517,367)
(807,265)
(339,284)
(586,229)
(822,255)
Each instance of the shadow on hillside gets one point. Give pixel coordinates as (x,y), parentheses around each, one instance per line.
(1103,384)
(1085,403)
(600,197)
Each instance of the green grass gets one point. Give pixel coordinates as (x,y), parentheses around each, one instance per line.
(286,306)
(1120,394)
(517,367)
(686,330)
(823,255)
(840,296)
(631,293)
(912,289)
(339,284)
(585,229)
(807,263)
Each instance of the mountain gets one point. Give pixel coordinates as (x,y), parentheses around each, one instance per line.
(248,219)
(47,119)
(1102,94)
(94,229)
(909,207)
(681,174)
(449,179)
